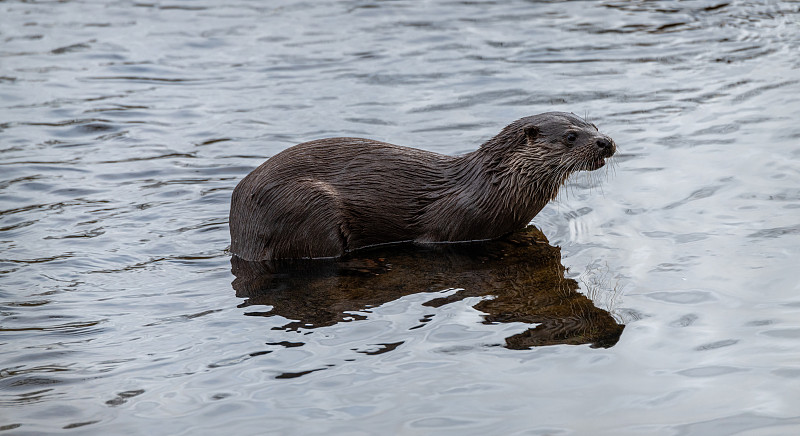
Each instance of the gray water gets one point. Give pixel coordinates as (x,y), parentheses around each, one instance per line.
(124,127)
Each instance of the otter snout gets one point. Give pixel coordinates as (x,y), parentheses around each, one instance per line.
(606,146)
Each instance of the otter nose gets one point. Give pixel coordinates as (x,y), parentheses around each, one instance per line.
(606,147)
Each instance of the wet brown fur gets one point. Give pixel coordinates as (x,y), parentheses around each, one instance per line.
(326,197)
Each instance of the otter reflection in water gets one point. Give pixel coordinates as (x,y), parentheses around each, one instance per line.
(522,272)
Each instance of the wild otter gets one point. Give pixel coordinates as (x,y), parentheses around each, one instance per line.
(327,197)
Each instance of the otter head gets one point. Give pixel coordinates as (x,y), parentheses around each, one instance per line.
(565,142)
(539,152)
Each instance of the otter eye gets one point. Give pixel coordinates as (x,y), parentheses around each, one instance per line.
(572,137)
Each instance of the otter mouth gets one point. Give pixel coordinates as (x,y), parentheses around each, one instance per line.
(596,164)
(605,149)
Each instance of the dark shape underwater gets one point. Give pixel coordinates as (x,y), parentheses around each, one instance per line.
(522,272)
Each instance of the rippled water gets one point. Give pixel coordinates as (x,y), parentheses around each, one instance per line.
(124,127)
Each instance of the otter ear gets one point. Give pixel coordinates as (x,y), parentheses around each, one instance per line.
(531,131)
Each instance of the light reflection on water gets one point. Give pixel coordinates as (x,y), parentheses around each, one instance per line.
(125,127)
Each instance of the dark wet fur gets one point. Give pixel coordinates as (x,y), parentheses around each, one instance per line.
(327,197)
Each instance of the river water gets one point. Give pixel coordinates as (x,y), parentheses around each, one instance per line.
(124,127)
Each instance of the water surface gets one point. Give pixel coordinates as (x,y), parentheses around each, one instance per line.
(124,127)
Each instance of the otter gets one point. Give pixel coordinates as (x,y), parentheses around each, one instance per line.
(328,197)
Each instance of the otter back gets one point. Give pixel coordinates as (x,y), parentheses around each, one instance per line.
(326,197)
